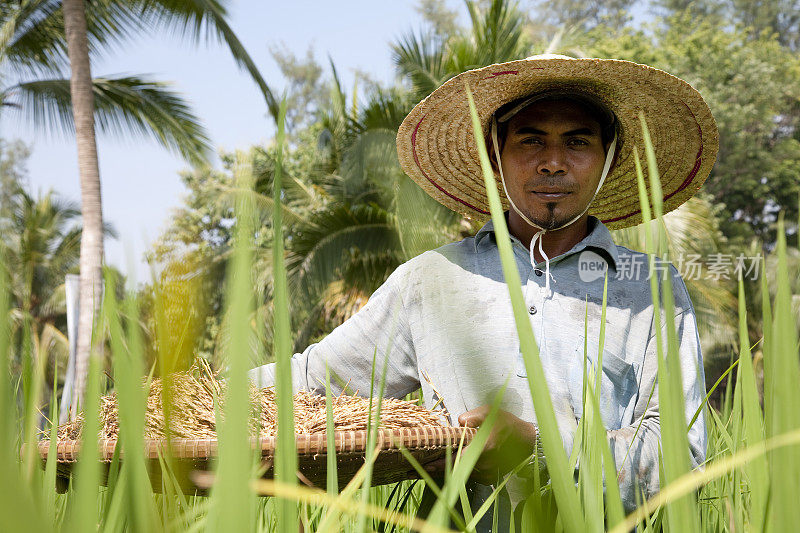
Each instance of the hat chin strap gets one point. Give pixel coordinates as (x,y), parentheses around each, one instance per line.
(537,237)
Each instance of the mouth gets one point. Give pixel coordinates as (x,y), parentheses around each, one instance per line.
(550,195)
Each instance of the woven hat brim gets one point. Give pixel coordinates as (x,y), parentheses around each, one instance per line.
(436,147)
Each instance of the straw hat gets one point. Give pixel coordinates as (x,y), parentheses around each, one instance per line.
(437,149)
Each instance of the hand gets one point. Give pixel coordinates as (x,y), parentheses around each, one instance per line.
(510,442)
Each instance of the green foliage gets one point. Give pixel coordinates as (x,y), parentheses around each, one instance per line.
(123,106)
(750,83)
(13,156)
(41,245)
(33,49)
(495,35)
(582,15)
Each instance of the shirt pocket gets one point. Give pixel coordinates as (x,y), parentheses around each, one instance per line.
(618,384)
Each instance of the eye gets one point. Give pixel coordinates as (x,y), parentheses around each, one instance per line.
(576,141)
(531,140)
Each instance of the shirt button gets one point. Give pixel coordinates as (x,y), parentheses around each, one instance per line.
(538,272)
(532,310)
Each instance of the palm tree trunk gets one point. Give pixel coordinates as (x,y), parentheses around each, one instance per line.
(91,208)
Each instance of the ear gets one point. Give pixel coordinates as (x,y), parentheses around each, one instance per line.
(492,154)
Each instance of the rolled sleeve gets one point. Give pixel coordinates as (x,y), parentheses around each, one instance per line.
(378,331)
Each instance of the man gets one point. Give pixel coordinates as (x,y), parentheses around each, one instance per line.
(561,132)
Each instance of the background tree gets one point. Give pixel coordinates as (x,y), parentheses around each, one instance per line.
(751,86)
(41,245)
(442,20)
(12,175)
(581,15)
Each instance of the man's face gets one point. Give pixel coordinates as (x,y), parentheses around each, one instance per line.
(552,159)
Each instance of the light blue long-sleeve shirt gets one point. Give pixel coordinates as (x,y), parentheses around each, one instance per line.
(445,320)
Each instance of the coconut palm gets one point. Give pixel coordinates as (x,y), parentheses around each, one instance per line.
(47,36)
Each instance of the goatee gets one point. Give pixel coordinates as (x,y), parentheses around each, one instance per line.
(551,221)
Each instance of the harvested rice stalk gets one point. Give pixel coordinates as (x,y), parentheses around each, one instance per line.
(197,395)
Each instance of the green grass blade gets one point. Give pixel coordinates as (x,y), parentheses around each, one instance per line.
(428,480)
(18,508)
(756,471)
(785,462)
(331,520)
(615,512)
(486,505)
(234,502)
(332,475)
(465,464)
(561,477)
(704,403)
(695,479)
(373,427)
(590,474)
(87,471)
(682,514)
(50,466)
(38,356)
(766,350)
(126,345)
(286,451)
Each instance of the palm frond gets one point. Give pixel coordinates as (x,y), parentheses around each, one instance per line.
(124,105)
(31,38)
(205,19)
(385,110)
(422,222)
(229,195)
(422,58)
(496,32)
(33,41)
(318,253)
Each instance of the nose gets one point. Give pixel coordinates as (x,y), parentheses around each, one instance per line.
(553,161)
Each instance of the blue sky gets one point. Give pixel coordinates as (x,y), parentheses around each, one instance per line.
(140,180)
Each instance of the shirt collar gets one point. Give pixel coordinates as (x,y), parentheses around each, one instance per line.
(599,238)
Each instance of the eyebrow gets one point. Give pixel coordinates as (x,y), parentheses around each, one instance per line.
(534,131)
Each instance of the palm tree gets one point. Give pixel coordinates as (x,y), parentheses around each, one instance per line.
(41,31)
(42,246)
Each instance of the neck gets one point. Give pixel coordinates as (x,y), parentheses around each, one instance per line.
(554,242)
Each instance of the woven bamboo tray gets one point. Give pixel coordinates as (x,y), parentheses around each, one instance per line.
(426,444)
